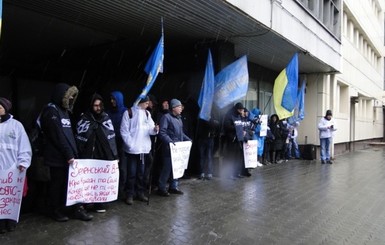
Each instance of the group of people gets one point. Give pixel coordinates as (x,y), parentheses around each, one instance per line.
(131,135)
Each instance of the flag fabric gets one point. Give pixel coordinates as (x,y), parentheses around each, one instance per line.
(153,67)
(206,96)
(231,83)
(285,89)
(299,110)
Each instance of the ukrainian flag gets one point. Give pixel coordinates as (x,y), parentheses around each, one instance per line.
(285,89)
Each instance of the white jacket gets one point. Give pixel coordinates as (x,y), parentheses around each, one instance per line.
(136,131)
(324,130)
(15,149)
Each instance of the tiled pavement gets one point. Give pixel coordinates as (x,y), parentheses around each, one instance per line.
(298,202)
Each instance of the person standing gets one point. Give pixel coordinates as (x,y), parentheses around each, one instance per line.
(60,150)
(96,138)
(136,128)
(15,149)
(171,131)
(326,127)
(115,112)
(293,144)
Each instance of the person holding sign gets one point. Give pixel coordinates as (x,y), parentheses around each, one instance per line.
(171,131)
(60,150)
(16,153)
(136,128)
(96,138)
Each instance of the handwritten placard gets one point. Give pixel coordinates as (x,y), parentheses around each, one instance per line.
(11,193)
(180,154)
(250,153)
(92,181)
(263,131)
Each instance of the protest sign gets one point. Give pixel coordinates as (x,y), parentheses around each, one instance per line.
(92,181)
(11,193)
(263,131)
(180,154)
(250,153)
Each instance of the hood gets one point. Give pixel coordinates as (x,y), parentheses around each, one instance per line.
(64,96)
(119,98)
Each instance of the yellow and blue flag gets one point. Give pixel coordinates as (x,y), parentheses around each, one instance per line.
(299,110)
(285,89)
(153,67)
(206,96)
(231,83)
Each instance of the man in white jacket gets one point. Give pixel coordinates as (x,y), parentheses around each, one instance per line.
(326,128)
(15,149)
(136,128)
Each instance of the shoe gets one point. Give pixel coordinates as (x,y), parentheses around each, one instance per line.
(129,201)
(279,161)
(142,198)
(11,225)
(175,191)
(247,173)
(99,208)
(202,176)
(163,193)
(59,217)
(330,162)
(323,162)
(81,213)
(209,177)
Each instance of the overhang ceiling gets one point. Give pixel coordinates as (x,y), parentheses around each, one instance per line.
(51,26)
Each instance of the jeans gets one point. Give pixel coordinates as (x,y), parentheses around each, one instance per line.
(293,144)
(165,173)
(206,155)
(135,182)
(325,151)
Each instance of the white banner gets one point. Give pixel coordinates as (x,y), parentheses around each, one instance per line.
(92,181)
(180,154)
(11,193)
(250,153)
(263,131)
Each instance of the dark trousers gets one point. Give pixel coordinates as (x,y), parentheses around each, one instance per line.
(206,147)
(234,158)
(135,181)
(57,190)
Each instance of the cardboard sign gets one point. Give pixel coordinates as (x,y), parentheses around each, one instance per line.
(250,153)
(180,154)
(92,181)
(11,193)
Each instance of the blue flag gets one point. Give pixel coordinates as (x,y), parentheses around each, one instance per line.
(289,97)
(299,110)
(153,67)
(231,83)
(206,96)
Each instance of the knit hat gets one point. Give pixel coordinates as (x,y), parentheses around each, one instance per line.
(329,113)
(143,100)
(6,104)
(239,106)
(175,103)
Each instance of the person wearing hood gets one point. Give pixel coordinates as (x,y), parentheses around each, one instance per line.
(136,128)
(96,138)
(115,112)
(60,149)
(15,148)
(327,127)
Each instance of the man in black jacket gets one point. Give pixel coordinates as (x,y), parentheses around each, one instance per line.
(60,149)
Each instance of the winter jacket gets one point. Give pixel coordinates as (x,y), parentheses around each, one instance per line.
(136,130)
(15,149)
(60,145)
(116,114)
(324,130)
(171,131)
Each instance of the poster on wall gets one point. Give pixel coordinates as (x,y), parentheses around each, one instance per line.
(11,193)
(92,181)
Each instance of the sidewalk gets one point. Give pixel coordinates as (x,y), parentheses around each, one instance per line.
(298,202)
